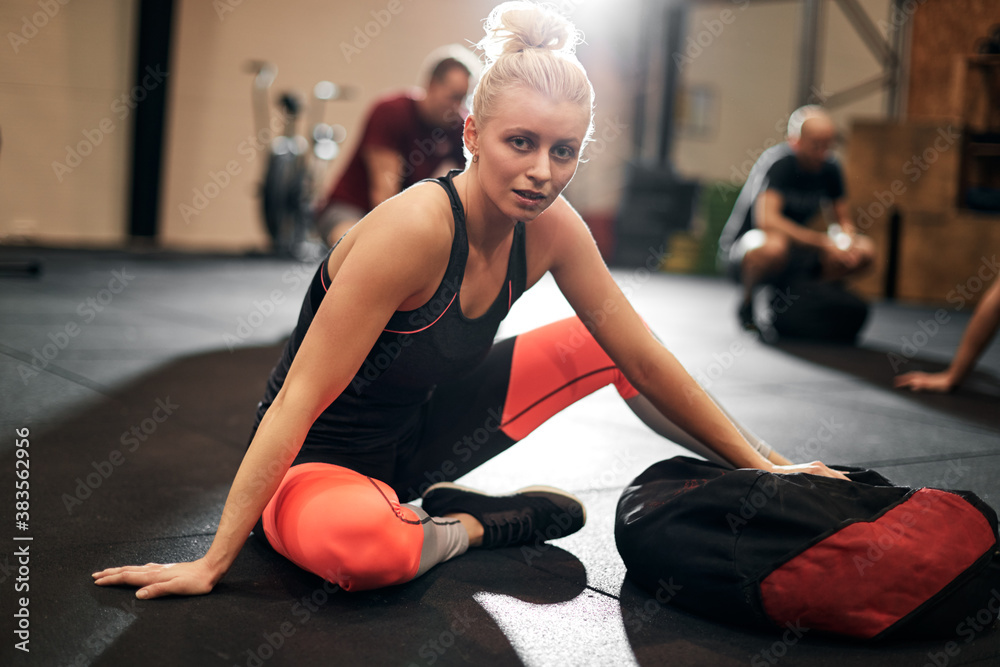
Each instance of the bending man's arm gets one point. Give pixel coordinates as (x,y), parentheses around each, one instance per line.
(770,220)
(767,213)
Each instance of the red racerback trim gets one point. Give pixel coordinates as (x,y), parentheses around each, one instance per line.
(429,325)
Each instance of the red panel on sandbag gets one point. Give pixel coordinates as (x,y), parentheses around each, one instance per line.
(867,576)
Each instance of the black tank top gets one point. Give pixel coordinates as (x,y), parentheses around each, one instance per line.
(417,350)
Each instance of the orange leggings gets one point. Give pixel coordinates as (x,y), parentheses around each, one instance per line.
(349,527)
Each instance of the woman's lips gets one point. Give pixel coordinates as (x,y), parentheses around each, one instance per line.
(529,197)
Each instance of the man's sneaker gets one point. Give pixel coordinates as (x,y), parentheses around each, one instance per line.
(531,514)
(745,315)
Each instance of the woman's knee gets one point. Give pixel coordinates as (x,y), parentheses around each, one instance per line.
(348,529)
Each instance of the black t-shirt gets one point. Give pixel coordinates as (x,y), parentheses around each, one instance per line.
(804,192)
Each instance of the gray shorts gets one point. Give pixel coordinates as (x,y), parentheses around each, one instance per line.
(804,263)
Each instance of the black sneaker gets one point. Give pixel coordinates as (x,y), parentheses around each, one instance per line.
(531,514)
(745,315)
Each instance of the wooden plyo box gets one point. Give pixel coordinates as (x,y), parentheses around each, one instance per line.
(913,169)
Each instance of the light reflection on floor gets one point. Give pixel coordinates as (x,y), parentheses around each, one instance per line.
(542,633)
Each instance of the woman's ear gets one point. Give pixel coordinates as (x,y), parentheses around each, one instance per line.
(470,134)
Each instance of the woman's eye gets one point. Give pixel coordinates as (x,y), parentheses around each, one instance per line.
(519,143)
(565,152)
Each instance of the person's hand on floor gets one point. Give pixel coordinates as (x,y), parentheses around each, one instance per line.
(156,580)
(918,381)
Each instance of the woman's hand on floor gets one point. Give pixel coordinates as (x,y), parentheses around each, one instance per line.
(156,580)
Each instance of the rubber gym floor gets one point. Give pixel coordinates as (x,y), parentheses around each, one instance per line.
(137,375)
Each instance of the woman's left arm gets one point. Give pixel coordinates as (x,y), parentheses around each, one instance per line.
(583,278)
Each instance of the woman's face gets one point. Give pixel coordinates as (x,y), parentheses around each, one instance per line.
(528,151)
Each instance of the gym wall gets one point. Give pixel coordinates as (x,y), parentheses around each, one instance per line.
(66,73)
(942,30)
(69,78)
(921,168)
(358,44)
(745,56)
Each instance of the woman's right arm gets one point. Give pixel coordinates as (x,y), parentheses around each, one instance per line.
(387,265)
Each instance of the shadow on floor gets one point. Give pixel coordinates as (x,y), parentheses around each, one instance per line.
(657,630)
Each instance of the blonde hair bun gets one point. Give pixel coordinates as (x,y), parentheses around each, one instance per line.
(529,46)
(518,26)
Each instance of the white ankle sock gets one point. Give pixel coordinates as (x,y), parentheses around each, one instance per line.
(443,539)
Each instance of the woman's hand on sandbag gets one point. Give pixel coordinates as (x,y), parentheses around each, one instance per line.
(812,468)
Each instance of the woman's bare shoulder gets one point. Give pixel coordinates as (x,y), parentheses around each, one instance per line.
(409,234)
(420,214)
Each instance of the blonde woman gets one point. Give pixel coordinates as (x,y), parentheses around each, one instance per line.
(391,379)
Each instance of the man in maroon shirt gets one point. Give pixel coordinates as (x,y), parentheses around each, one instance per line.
(408,137)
